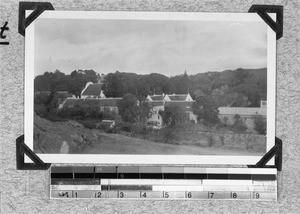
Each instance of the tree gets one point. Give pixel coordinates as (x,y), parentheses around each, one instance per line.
(239,125)
(78,80)
(144,112)
(224,96)
(206,109)
(112,85)
(128,108)
(157,83)
(260,124)
(181,84)
(173,115)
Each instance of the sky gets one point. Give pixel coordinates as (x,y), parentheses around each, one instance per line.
(143,47)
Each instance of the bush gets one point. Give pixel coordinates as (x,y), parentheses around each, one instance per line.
(81,112)
(168,135)
(125,126)
(260,124)
(239,125)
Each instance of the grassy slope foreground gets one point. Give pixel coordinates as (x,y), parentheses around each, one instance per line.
(71,137)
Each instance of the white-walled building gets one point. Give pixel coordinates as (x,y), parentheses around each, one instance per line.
(158,102)
(247,114)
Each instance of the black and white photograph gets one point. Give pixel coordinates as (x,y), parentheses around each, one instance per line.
(149,87)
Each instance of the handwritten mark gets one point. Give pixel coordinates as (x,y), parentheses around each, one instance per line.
(2,36)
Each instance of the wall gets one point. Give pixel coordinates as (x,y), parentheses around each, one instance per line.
(28,191)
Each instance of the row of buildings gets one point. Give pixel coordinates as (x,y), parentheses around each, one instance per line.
(92,94)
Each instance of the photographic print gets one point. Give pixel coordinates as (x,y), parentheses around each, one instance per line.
(149,87)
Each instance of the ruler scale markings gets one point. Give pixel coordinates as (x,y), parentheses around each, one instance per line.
(196,194)
(163,182)
(129,194)
(100,194)
(112,194)
(240,195)
(219,195)
(151,194)
(173,194)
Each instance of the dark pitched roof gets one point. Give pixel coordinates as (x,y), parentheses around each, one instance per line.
(112,102)
(156,103)
(178,97)
(157,97)
(93,89)
(183,104)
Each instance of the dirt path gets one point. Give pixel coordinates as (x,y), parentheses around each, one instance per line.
(120,144)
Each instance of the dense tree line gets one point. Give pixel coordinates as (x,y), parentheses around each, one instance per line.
(238,88)
(235,88)
(59,81)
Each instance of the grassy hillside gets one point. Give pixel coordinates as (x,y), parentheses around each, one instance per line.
(71,137)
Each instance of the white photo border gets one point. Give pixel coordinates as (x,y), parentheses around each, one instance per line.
(148,159)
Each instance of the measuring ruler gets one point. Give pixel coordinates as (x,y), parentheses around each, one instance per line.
(163,183)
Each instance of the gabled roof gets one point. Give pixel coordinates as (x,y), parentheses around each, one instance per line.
(177,97)
(183,104)
(157,97)
(111,102)
(93,89)
(246,111)
(155,103)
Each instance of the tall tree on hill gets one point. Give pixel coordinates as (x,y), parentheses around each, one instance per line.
(206,108)
(113,85)
(157,83)
(225,96)
(78,80)
(181,84)
(128,108)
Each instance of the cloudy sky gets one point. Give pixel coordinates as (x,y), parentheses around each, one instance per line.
(167,47)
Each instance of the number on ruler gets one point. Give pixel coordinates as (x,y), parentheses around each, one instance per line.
(144,195)
(75,194)
(97,194)
(166,195)
(234,195)
(121,194)
(189,195)
(256,195)
(210,194)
